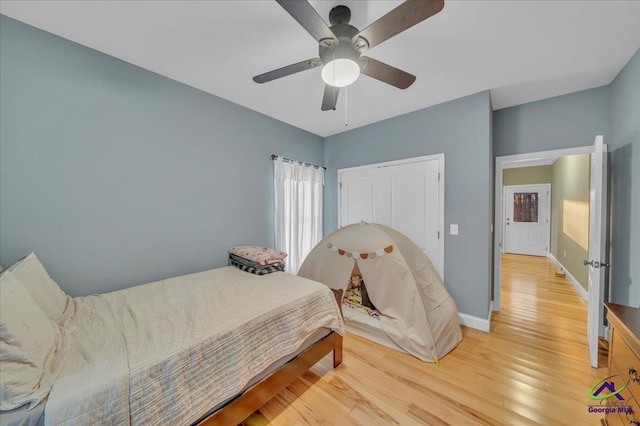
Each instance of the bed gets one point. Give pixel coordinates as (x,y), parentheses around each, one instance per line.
(205,348)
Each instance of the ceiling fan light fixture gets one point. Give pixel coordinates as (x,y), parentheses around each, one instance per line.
(340,72)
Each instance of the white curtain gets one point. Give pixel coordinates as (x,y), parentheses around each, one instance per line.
(298,210)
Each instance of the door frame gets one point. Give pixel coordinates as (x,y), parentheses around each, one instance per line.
(547,187)
(506,162)
(440,159)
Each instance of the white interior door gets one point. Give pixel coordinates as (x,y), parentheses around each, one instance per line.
(527,213)
(597,247)
(407,196)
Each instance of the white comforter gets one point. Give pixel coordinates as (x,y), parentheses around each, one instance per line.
(166,352)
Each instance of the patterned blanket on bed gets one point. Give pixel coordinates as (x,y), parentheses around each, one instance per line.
(167,352)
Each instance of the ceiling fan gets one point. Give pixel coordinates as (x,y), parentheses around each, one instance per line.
(342,45)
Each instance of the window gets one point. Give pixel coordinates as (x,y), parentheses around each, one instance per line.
(297,210)
(525,207)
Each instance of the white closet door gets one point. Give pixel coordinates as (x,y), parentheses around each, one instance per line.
(409,195)
(358,196)
(404,196)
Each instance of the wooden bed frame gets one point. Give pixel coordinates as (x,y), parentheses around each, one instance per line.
(257,395)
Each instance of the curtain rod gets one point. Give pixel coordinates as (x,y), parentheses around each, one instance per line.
(274,156)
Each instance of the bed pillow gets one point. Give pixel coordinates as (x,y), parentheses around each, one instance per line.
(30,273)
(29,347)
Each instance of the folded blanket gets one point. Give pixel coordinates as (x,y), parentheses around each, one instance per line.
(252,267)
(251,263)
(259,255)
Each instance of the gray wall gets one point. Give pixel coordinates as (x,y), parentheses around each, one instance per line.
(461,130)
(625,184)
(116,176)
(567,121)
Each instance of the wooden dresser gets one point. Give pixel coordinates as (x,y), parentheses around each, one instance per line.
(624,361)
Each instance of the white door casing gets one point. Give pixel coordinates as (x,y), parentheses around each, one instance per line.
(527,235)
(407,195)
(597,247)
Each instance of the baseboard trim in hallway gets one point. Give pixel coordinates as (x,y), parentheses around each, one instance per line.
(581,291)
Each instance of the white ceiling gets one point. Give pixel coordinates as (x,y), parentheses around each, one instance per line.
(521,51)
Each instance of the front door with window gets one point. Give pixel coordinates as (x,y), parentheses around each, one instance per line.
(527,213)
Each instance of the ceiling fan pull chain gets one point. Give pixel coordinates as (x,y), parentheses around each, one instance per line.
(346,122)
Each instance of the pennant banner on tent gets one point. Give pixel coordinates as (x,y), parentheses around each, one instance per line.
(366,255)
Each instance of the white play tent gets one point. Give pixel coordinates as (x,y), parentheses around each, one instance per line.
(417,313)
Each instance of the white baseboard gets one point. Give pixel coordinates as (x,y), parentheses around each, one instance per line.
(481,324)
(571,278)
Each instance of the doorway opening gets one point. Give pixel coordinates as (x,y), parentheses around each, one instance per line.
(514,162)
(574,221)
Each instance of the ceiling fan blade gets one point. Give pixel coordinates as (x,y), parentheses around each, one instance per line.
(330,97)
(385,73)
(288,70)
(401,18)
(307,16)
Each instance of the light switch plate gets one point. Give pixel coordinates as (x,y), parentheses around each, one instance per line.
(453,229)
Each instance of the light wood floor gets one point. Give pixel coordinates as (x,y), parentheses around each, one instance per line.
(532,368)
